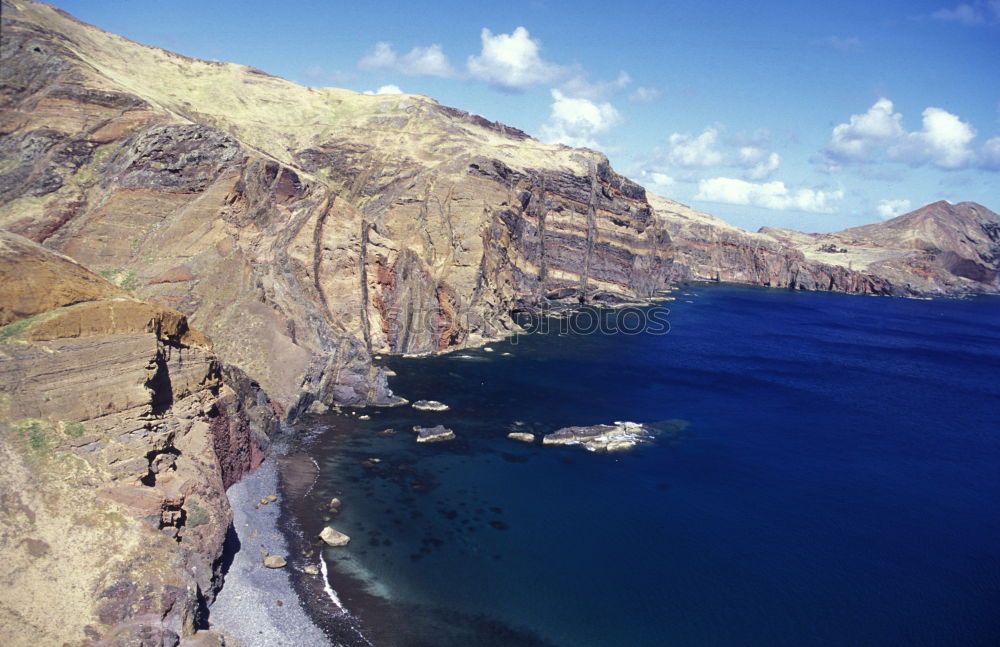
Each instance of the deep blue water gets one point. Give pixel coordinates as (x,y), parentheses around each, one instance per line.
(838,483)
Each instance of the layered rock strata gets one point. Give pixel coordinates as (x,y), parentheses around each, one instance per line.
(938,250)
(119,432)
(302,228)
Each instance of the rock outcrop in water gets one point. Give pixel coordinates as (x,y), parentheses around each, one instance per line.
(430,405)
(119,431)
(606,438)
(435,434)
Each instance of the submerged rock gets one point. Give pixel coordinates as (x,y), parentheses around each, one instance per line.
(430,405)
(609,438)
(433,434)
(311,569)
(522,436)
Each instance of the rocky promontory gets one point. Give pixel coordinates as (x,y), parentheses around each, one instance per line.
(938,250)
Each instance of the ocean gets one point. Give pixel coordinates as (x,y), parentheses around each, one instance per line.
(836,481)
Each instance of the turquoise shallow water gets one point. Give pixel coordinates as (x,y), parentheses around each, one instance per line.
(838,483)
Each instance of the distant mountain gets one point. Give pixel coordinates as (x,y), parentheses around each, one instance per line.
(939,249)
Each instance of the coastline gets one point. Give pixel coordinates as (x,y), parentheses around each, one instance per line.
(258,606)
(320,600)
(367,617)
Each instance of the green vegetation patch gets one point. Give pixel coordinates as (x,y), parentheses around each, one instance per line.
(73,429)
(34,435)
(15,329)
(12,330)
(197,515)
(122,277)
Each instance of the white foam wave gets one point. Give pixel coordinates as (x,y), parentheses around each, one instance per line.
(336,599)
(315,478)
(326,584)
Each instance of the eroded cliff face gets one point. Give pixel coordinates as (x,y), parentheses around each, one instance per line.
(937,250)
(119,431)
(940,249)
(303,229)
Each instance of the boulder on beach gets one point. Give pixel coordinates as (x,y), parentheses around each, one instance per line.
(275,561)
(522,436)
(433,434)
(333,537)
(608,438)
(311,569)
(430,405)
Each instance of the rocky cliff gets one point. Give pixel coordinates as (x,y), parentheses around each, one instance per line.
(119,431)
(301,228)
(937,250)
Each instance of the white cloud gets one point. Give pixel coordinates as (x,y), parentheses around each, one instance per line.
(580,87)
(892,208)
(426,61)
(878,135)
(944,141)
(644,95)
(657,178)
(419,61)
(759,163)
(385,89)
(662,179)
(991,154)
(844,44)
(977,12)
(769,195)
(512,61)
(856,140)
(687,151)
(381,57)
(576,121)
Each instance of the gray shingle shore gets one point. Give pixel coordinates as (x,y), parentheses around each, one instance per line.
(248,606)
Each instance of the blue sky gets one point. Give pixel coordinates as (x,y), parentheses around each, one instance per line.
(816,116)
